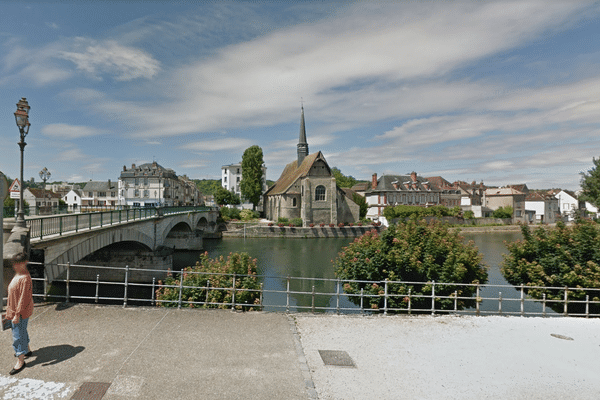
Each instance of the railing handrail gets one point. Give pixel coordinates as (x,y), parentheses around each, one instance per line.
(66,223)
(335,295)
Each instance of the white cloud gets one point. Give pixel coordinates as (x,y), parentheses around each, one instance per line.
(65,131)
(97,58)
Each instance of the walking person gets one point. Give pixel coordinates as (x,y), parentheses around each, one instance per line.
(19,308)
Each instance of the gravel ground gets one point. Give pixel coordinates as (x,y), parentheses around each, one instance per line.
(400,357)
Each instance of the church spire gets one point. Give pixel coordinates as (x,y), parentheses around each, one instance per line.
(302,144)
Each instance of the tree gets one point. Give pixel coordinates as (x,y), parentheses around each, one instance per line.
(342,180)
(565,256)
(503,212)
(252,174)
(224,196)
(413,251)
(362,203)
(590,184)
(208,186)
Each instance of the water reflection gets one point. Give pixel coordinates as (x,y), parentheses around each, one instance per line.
(279,258)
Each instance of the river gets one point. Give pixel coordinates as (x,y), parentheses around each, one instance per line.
(279,258)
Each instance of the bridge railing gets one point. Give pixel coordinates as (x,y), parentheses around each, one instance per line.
(296,294)
(60,224)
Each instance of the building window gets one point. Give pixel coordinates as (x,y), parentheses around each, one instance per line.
(320,193)
(113,194)
(146,193)
(101,194)
(137,181)
(294,202)
(137,193)
(145,181)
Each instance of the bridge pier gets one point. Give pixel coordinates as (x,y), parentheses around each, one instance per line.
(184,240)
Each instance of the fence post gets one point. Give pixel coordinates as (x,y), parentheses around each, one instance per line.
(287,296)
(456,301)
(409,301)
(362,301)
(152,301)
(566,309)
(587,305)
(45,285)
(68,279)
(90,221)
(432,297)
(312,307)
(477,300)
(207,287)
(261,297)
(522,301)
(41,228)
(385,297)
(180,287)
(76,222)
(60,226)
(233,295)
(544,304)
(125,287)
(500,303)
(337,297)
(97,286)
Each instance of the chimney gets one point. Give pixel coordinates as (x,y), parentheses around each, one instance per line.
(374,181)
(413,176)
(132,166)
(124,168)
(109,184)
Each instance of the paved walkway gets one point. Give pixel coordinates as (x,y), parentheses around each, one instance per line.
(157,353)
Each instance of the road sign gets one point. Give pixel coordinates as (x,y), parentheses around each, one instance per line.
(3,187)
(15,189)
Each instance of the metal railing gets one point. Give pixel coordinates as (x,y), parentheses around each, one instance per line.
(283,294)
(61,224)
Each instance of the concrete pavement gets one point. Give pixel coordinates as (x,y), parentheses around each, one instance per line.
(158,353)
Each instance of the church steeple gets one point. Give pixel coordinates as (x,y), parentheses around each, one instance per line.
(302,144)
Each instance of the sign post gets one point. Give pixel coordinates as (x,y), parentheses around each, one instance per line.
(3,195)
(15,191)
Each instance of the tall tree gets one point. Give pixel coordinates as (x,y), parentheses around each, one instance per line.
(590,184)
(251,184)
(342,180)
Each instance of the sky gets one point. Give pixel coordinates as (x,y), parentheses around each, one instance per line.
(503,92)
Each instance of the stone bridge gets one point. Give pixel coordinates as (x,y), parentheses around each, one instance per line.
(143,240)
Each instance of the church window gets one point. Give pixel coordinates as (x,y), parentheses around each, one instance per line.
(320,193)
(294,202)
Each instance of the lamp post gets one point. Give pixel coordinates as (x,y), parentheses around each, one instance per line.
(22,118)
(45,175)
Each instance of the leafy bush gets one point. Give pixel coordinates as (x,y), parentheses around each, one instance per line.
(469,214)
(246,283)
(565,256)
(283,220)
(296,221)
(503,212)
(412,251)
(403,212)
(247,215)
(229,213)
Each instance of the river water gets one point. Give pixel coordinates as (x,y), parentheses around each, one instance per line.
(279,258)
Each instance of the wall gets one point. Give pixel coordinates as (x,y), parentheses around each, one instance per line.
(301,233)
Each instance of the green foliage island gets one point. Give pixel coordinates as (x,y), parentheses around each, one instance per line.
(565,256)
(209,273)
(412,251)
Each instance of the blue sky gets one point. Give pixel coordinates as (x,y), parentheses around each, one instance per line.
(499,92)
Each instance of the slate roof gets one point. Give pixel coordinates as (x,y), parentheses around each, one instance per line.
(386,184)
(148,169)
(39,193)
(100,186)
(291,173)
(505,191)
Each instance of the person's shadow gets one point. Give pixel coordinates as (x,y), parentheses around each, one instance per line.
(51,355)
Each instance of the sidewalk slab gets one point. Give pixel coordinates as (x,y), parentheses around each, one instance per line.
(155,353)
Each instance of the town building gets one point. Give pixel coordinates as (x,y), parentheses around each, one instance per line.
(494,198)
(73,199)
(43,200)
(569,204)
(99,194)
(307,189)
(545,208)
(152,185)
(231,178)
(393,190)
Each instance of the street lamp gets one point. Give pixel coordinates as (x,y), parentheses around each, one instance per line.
(45,175)
(22,118)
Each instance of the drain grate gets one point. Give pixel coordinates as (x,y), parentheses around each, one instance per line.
(337,358)
(91,391)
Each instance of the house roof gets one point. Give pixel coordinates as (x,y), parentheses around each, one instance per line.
(292,172)
(537,196)
(100,186)
(386,183)
(40,193)
(505,191)
(439,182)
(361,186)
(148,169)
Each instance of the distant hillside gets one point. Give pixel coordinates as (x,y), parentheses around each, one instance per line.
(207,186)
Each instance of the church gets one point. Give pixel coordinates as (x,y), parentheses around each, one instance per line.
(307,189)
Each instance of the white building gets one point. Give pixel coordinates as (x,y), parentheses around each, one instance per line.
(568,203)
(152,185)
(99,194)
(231,178)
(73,199)
(545,207)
